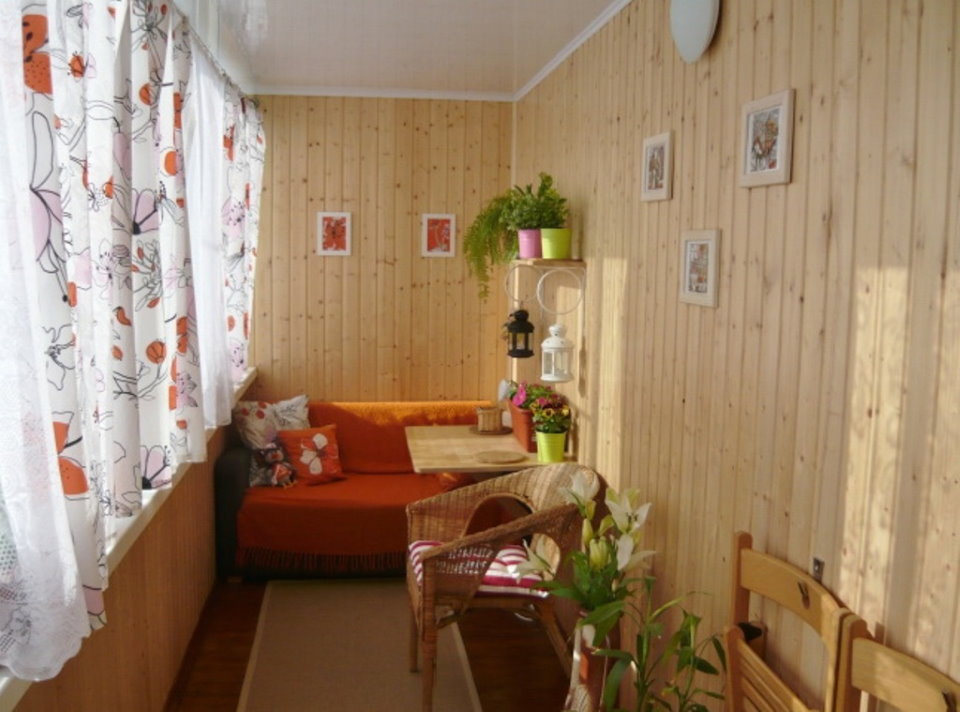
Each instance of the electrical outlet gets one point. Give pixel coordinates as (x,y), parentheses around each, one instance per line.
(818,569)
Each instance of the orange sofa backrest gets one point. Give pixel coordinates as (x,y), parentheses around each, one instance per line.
(370,436)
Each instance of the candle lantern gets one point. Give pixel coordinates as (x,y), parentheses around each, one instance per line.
(519,330)
(557,351)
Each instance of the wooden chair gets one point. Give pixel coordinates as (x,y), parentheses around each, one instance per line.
(751,683)
(885,674)
(449,570)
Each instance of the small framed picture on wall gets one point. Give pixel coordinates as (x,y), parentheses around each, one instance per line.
(767,127)
(699,255)
(438,234)
(657,167)
(333,234)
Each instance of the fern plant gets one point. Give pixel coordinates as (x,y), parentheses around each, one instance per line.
(489,241)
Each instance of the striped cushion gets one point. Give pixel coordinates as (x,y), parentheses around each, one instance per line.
(501,578)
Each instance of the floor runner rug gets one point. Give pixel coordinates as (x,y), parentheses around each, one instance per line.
(343,645)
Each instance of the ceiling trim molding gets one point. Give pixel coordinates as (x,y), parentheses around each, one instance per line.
(612,10)
(367,93)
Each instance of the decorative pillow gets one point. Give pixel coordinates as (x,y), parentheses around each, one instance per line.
(258,421)
(500,578)
(314,454)
(269,467)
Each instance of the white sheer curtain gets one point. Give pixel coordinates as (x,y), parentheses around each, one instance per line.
(203,126)
(103,358)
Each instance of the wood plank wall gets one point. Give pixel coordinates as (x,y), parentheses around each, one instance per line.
(383,323)
(153,602)
(818,405)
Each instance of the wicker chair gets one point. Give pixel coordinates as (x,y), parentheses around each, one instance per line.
(445,575)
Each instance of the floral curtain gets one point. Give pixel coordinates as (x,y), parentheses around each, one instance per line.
(119,377)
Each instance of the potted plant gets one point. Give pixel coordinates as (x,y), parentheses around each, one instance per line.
(489,241)
(551,421)
(600,583)
(529,213)
(520,396)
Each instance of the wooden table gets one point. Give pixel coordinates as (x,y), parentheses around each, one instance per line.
(459,448)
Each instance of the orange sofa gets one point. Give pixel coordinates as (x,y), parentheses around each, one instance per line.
(354,526)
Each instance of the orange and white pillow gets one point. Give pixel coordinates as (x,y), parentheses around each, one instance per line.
(314,454)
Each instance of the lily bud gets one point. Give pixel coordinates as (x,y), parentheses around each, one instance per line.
(598,554)
(586,533)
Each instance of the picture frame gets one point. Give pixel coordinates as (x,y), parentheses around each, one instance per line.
(334,238)
(438,235)
(699,257)
(657,167)
(766,153)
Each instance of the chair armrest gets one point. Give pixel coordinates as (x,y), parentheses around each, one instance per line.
(231,478)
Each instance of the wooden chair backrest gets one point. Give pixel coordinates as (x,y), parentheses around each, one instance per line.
(888,675)
(751,684)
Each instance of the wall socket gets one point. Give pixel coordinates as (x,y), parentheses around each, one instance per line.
(818,569)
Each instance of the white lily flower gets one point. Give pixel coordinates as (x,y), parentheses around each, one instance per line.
(626,514)
(639,557)
(581,489)
(536,562)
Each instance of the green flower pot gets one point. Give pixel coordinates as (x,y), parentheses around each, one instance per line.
(555,243)
(551,446)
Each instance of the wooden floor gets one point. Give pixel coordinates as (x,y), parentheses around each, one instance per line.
(514,666)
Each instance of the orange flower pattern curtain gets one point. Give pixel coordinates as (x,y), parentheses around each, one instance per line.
(105,84)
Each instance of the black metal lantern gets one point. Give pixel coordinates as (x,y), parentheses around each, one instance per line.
(519,330)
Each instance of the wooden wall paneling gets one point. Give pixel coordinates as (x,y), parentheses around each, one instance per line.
(316,202)
(333,268)
(384,341)
(368,261)
(439,332)
(298,241)
(420,306)
(355,266)
(456,343)
(474,335)
(923,579)
(947,435)
(404,319)
(793,536)
(752,274)
(714,127)
(808,459)
(816,399)
(864,488)
(279,254)
(723,359)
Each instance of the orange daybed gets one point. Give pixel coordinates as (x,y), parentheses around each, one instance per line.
(354,526)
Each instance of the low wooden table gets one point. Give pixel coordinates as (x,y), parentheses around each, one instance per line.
(460,448)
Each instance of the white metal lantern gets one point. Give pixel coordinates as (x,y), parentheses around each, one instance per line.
(557,352)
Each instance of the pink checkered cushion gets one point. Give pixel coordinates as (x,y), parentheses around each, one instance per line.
(501,578)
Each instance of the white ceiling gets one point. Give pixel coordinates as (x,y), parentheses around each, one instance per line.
(483,49)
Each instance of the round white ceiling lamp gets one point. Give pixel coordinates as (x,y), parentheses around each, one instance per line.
(692,24)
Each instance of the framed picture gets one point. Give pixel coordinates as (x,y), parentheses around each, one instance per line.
(699,254)
(438,235)
(767,140)
(333,234)
(657,167)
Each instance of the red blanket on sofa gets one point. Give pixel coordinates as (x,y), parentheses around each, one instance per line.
(354,525)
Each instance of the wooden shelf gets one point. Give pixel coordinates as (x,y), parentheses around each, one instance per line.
(549,264)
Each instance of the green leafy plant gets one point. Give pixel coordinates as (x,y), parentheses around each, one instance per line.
(677,691)
(602,586)
(489,241)
(531,210)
